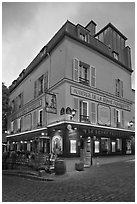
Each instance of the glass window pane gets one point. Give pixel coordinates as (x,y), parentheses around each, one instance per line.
(72,146)
(96,146)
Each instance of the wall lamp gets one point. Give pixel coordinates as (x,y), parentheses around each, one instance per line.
(131,123)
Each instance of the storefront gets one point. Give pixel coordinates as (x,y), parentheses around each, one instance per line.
(74,140)
(31,141)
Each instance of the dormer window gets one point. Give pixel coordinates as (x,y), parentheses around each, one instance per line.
(83,37)
(116,55)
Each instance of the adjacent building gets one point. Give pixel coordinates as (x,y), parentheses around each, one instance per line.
(75,98)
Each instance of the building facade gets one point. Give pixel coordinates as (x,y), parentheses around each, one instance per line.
(75,98)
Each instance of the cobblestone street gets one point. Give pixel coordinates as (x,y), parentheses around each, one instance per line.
(107,183)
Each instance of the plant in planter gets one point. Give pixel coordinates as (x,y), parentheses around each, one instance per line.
(79,166)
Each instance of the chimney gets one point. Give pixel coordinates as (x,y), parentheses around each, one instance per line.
(91,26)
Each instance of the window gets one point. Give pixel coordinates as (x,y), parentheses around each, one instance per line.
(83,37)
(13,105)
(41,85)
(117,118)
(12,126)
(119,87)
(115,55)
(19,124)
(73,146)
(96,146)
(84,73)
(119,144)
(113,146)
(84,111)
(40,117)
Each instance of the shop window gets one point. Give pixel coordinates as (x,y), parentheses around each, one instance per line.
(119,145)
(105,145)
(96,146)
(113,146)
(72,146)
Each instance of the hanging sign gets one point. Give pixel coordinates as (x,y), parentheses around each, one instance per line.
(51,103)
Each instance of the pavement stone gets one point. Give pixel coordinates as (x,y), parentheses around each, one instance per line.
(113,182)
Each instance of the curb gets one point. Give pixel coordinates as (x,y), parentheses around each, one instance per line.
(25,175)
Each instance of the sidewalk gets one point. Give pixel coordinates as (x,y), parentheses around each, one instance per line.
(96,162)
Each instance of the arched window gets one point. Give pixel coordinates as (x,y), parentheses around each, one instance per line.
(68,110)
(62,111)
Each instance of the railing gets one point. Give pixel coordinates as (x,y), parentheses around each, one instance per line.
(84,81)
(84,118)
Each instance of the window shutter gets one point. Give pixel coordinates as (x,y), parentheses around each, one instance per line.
(46,82)
(21,99)
(123,119)
(121,88)
(35,86)
(116,86)
(93,112)
(75,70)
(114,117)
(93,76)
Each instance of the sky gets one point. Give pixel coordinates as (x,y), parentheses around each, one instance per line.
(28,26)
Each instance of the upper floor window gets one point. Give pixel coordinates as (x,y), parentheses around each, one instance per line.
(13,105)
(84,117)
(116,55)
(41,84)
(83,37)
(84,73)
(119,87)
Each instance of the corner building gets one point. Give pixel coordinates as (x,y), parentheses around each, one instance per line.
(75,98)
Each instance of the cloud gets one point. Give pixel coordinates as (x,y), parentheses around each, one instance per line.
(28,26)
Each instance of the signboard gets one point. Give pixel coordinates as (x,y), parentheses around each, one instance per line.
(92,96)
(51,103)
(103,115)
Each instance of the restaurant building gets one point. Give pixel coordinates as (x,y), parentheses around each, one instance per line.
(75,97)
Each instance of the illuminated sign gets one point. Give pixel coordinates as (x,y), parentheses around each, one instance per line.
(99,98)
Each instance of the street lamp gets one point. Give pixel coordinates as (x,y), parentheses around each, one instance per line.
(131,123)
(73,112)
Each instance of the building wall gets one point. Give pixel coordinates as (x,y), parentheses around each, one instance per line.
(106,70)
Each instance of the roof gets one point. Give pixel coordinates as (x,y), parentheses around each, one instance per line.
(114,28)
